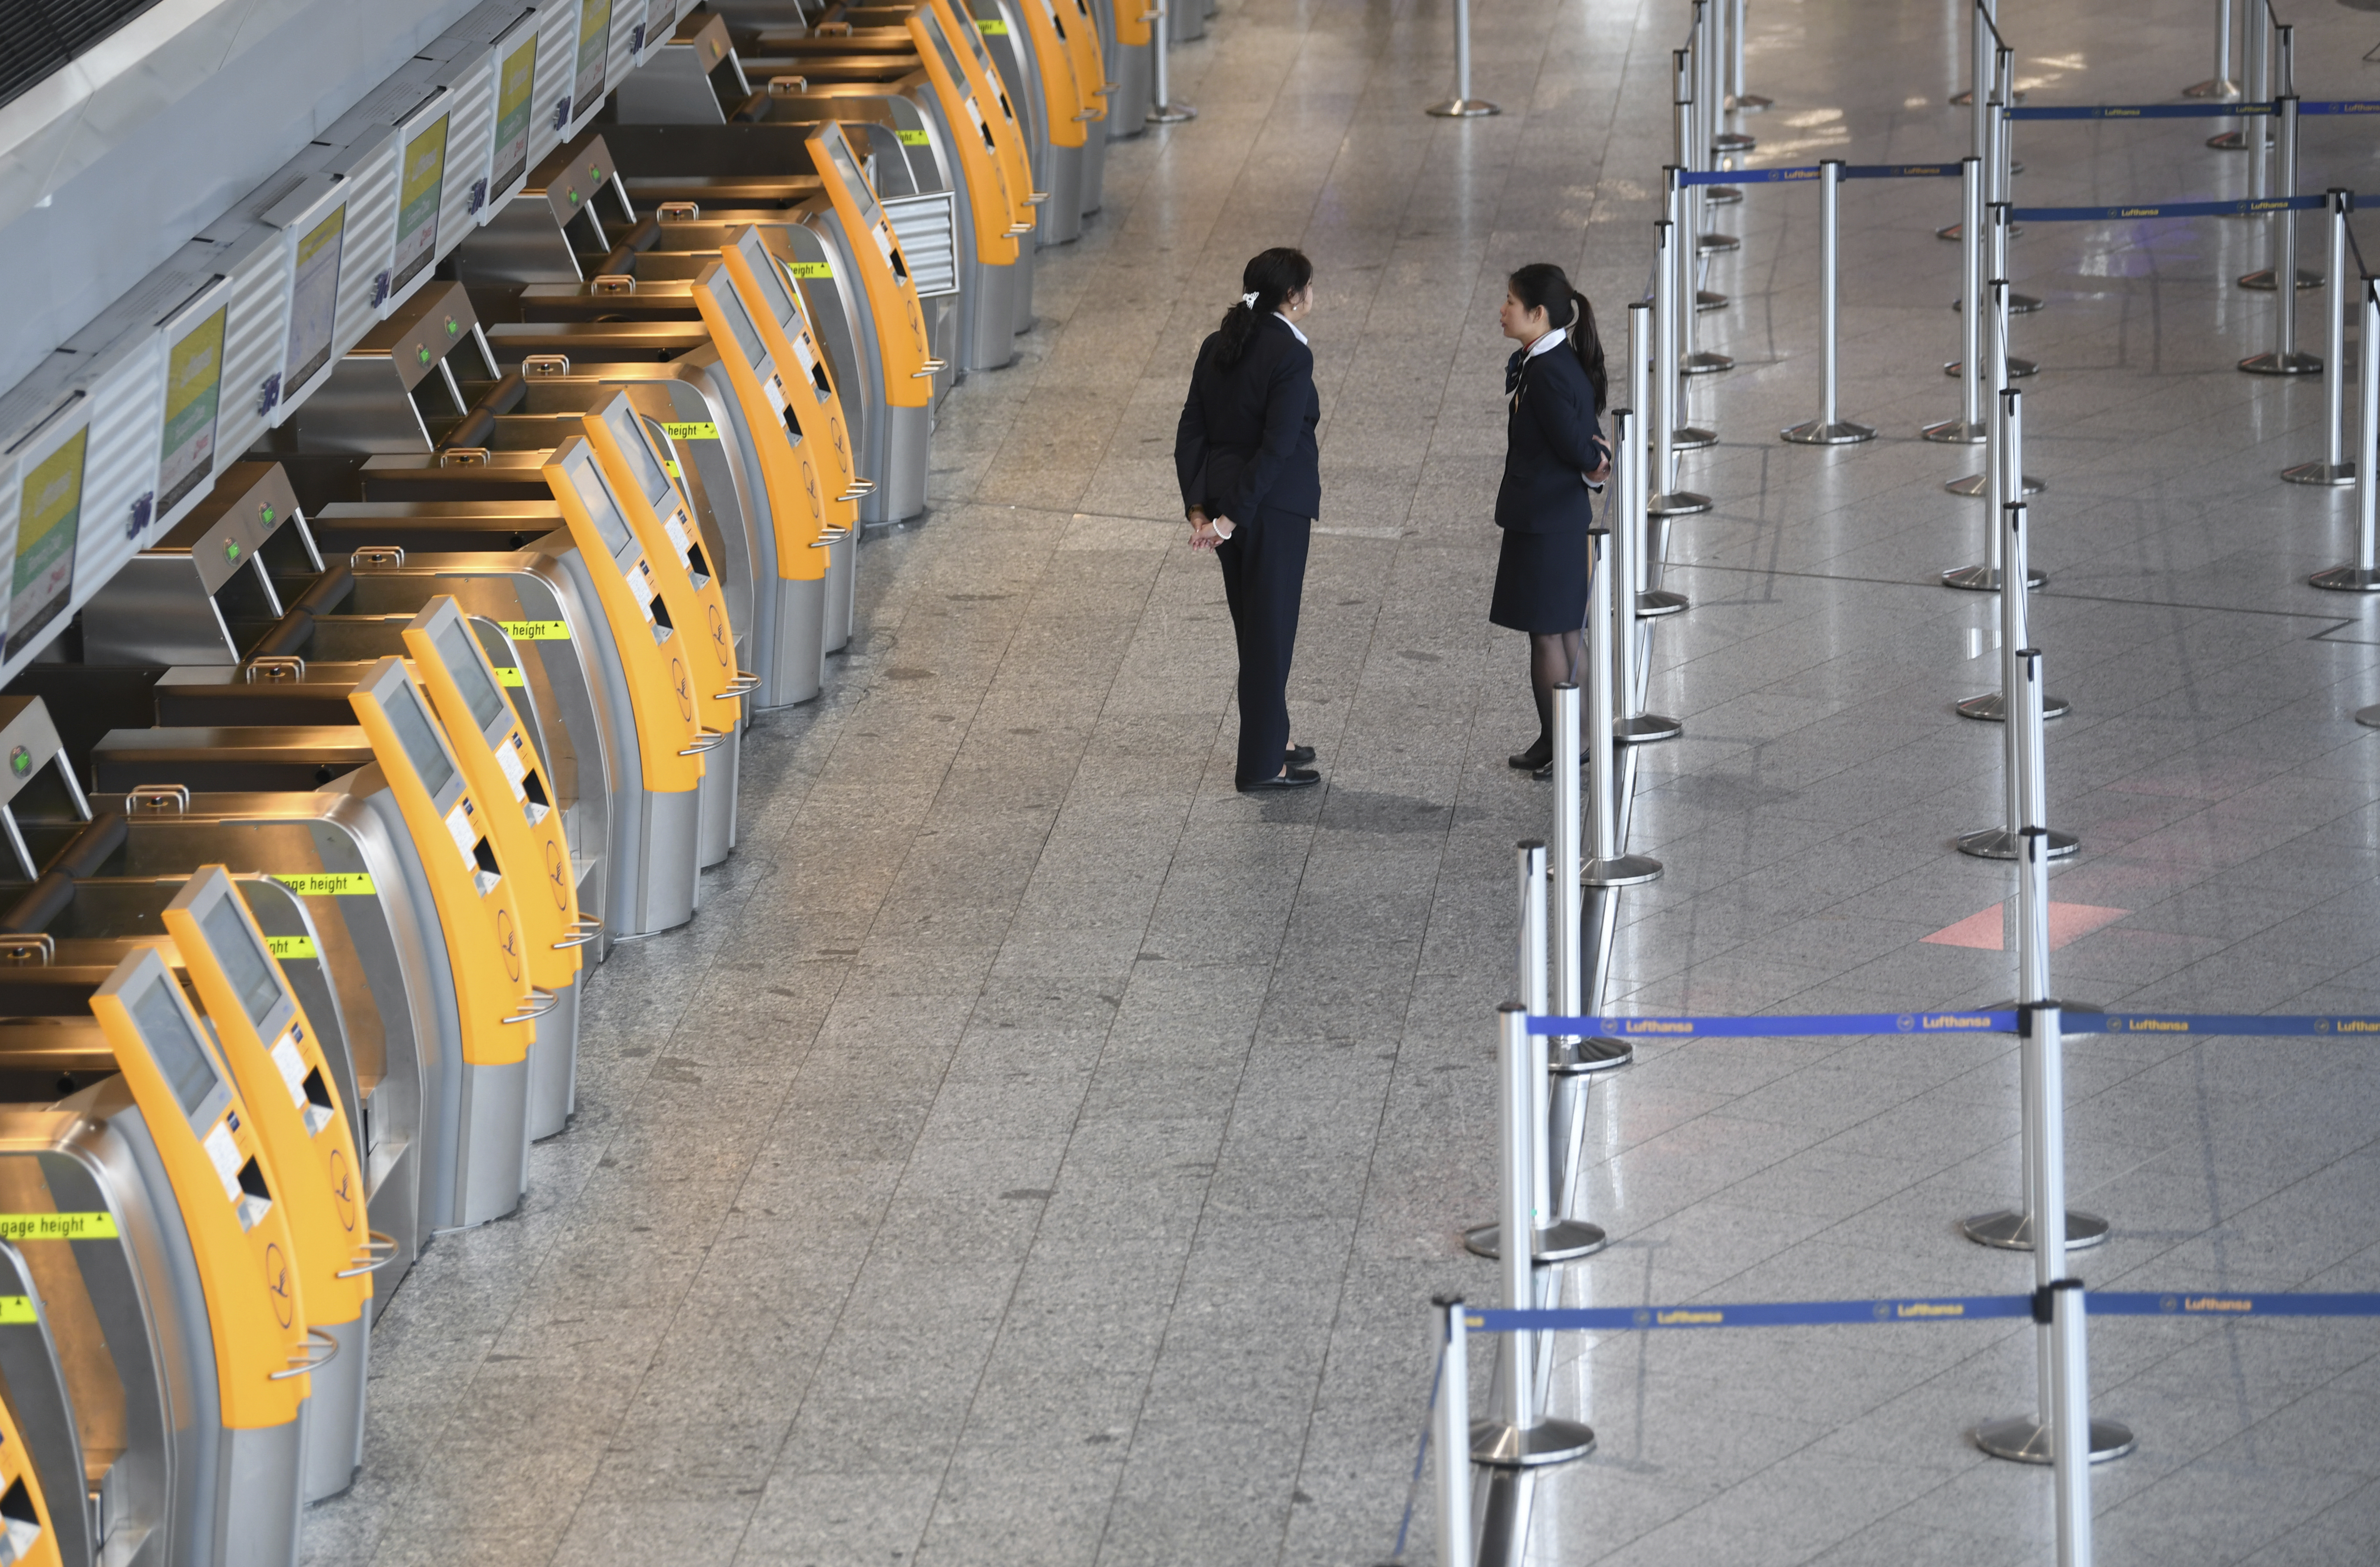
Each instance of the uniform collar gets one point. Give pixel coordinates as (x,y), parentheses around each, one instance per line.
(1291,325)
(1548,343)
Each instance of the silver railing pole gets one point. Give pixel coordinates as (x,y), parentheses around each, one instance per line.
(1609,868)
(1991,483)
(1569,856)
(1979,84)
(2284,359)
(1165,111)
(1669,432)
(1828,429)
(1742,103)
(1451,1434)
(2334,468)
(2285,160)
(2071,1424)
(1967,430)
(1462,106)
(2220,84)
(1691,300)
(2003,178)
(1651,602)
(2255,87)
(1723,18)
(2361,575)
(1632,725)
(1519,1435)
(2000,223)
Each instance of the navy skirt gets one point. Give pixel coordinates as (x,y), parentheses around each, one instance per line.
(1541,582)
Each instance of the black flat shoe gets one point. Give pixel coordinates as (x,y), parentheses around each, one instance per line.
(1300,756)
(1289,778)
(1536,757)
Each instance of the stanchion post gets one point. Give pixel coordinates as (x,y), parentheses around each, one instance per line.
(1690,296)
(1711,52)
(2361,575)
(2285,163)
(1651,602)
(2220,84)
(1609,868)
(1991,483)
(1968,428)
(1461,106)
(1632,725)
(1830,429)
(2071,1424)
(1165,111)
(2333,468)
(1668,435)
(1742,103)
(1569,914)
(2255,88)
(1450,1433)
(2284,358)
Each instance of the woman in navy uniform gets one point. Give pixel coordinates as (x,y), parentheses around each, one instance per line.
(1554,451)
(1252,485)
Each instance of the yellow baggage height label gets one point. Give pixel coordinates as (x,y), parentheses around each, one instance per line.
(17,1310)
(329,883)
(536,630)
(700,431)
(908,138)
(57,1226)
(507,675)
(290,948)
(826,269)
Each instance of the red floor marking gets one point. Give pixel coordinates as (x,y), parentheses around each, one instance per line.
(2067,923)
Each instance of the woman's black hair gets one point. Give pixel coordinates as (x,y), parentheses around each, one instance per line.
(1541,285)
(1272,276)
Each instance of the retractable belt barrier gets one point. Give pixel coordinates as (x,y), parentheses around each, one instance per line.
(2243,207)
(2205,1305)
(2182,111)
(1843,1025)
(1809,174)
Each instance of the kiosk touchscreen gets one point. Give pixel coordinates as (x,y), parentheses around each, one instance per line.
(503,773)
(240,1237)
(479,919)
(292,1095)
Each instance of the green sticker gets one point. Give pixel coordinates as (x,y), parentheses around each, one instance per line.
(290,948)
(57,1226)
(17,1310)
(997,29)
(536,630)
(329,884)
(913,138)
(507,675)
(696,432)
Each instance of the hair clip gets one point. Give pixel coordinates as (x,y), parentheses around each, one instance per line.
(1249,301)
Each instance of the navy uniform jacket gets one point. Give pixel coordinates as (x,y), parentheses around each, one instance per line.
(1552,441)
(1246,437)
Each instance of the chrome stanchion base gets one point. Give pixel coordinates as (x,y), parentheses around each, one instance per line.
(1645,728)
(1954,432)
(1986,578)
(2009,1231)
(1973,485)
(1170,113)
(1749,104)
(2261,279)
(2368,717)
(2329,473)
(1462,109)
(1655,603)
(1703,363)
(1678,503)
(1706,301)
(2024,1440)
(2270,363)
(1990,708)
(1715,244)
(1733,142)
(1627,870)
(1722,196)
(2348,579)
(2213,87)
(1692,438)
(2229,141)
(1597,1054)
(1951,233)
(1526,1446)
(2017,369)
(1998,843)
(1565,1240)
(1842,432)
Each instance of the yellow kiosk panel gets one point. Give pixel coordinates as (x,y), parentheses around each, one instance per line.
(798,501)
(1007,134)
(883,271)
(223,1185)
(776,306)
(1065,103)
(982,162)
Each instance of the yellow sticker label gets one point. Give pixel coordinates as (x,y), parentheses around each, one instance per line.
(536,630)
(57,1226)
(996,27)
(670,468)
(288,948)
(17,1310)
(703,430)
(822,269)
(507,675)
(914,137)
(329,883)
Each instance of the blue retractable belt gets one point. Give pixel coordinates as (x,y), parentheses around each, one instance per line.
(1814,1025)
(2202,1305)
(2170,210)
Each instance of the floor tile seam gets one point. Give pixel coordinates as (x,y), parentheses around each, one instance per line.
(2331,617)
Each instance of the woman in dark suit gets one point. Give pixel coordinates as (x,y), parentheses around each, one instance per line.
(1252,485)
(1554,449)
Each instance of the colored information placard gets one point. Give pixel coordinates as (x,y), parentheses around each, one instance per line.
(515,85)
(193,393)
(314,300)
(329,884)
(422,177)
(49,514)
(57,1227)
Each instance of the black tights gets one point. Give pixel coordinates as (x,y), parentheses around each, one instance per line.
(1553,660)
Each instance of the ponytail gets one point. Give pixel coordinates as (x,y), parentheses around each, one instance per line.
(1541,285)
(1267,280)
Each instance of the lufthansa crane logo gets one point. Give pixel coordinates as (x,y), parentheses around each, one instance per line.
(556,877)
(685,696)
(809,483)
(508,942)
(718,636)
(342,1189)
(276,1280)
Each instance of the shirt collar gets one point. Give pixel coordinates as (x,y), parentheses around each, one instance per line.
(1549,343)
(1291,325)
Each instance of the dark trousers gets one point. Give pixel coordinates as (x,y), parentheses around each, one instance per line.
(1264,573)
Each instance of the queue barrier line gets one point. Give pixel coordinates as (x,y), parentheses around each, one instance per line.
(1843,1024)
(2204,1305)
(2170,210)
(2183,111)
(1807,174)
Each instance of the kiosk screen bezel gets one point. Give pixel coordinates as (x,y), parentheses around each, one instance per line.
(313,299)
(417,735)
(421,182)
(458,650)
(247,967)
(49,524)
(602,507)
(661,492)
(515,109)
(185,457)
(740,325)
(178,1049)
(846,169)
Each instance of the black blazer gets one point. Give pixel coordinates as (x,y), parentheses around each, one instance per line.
(1552,439)
(1246,437)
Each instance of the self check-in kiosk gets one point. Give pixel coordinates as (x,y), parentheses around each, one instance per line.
(29,1535)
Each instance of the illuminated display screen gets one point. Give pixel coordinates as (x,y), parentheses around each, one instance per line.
(838,152)
(594,45)
(314,300)
(652,480)
(49,516)
(421,743)
(601,507)
(244,963)
(193,390)
(461,657)
(420,181)
(739,321)
(515,85)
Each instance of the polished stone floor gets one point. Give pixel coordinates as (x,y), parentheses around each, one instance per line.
(1038,1154)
